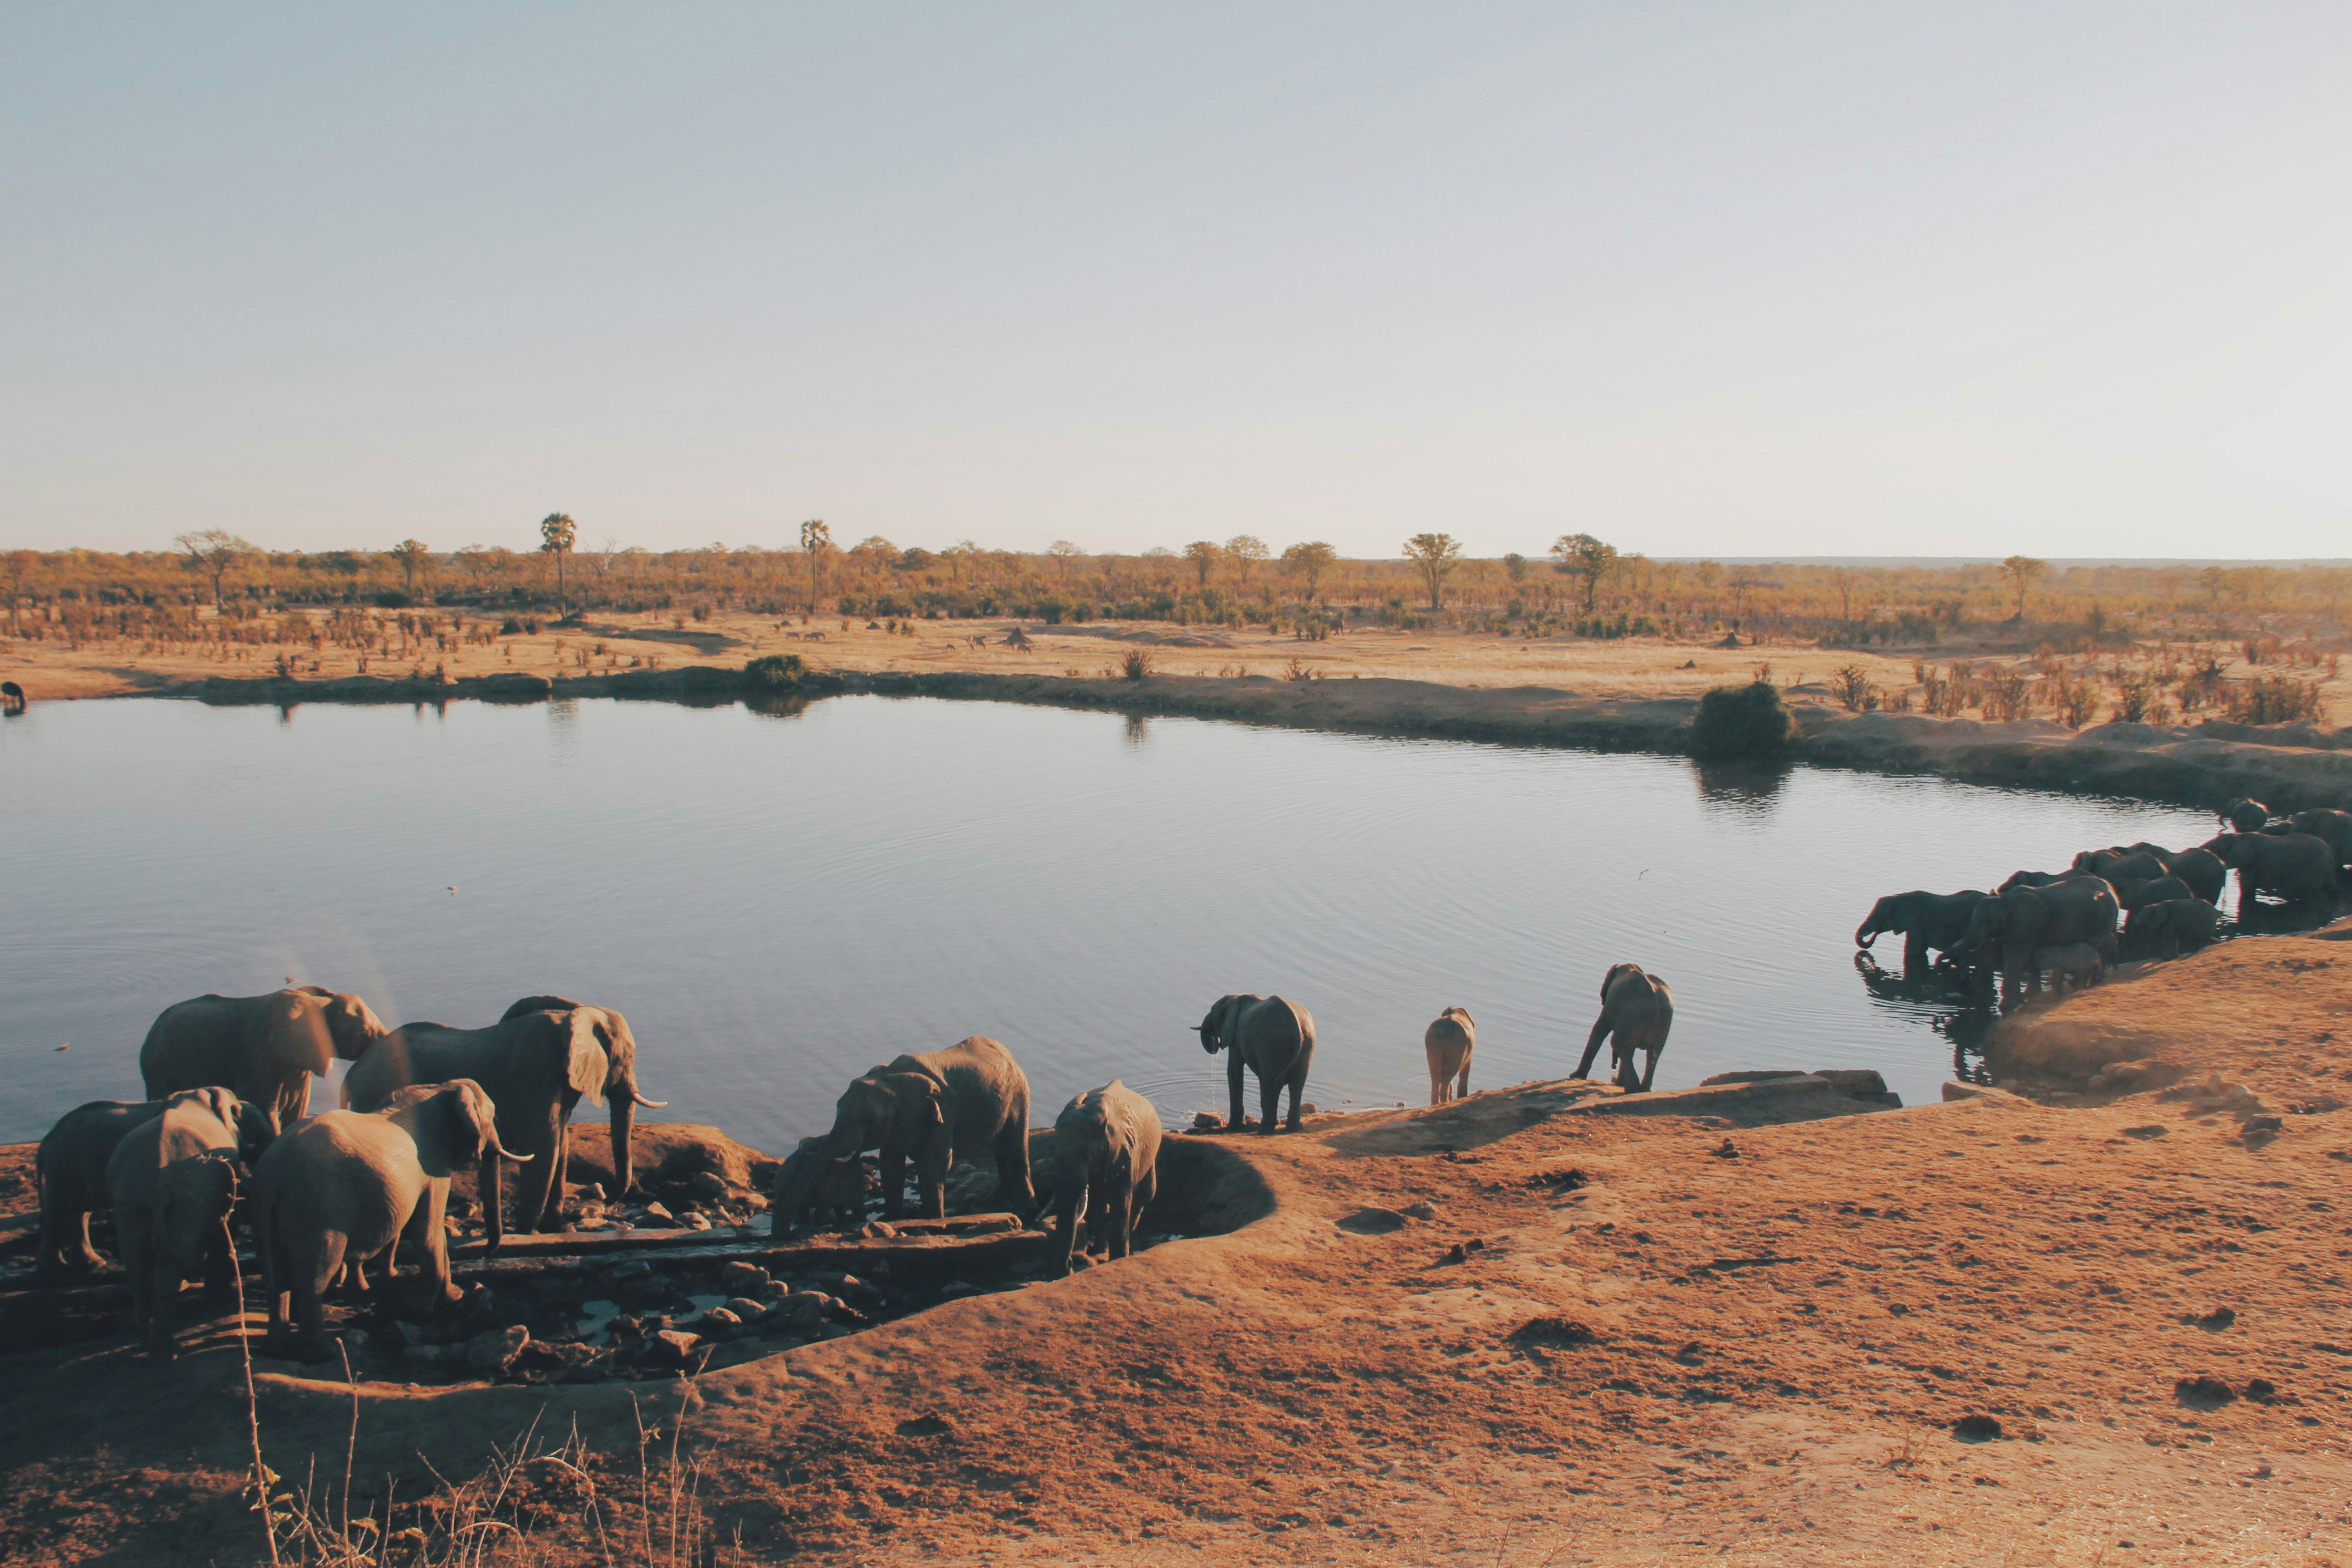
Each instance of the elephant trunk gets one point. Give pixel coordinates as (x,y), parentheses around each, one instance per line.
(1864,934)
(625,1115)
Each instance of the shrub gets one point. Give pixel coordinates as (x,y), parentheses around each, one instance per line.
(1851,687)
(1137,664)
(2007,694)
(1742,721)
(775,672)
(2272,700)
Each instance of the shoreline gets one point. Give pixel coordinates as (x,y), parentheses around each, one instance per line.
(2200,765)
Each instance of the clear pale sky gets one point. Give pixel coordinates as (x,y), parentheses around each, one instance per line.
(1699,279)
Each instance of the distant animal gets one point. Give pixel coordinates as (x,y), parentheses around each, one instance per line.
(2325,823)
(1928,920)
(265,1048)
(812,1186)
(171,1182)
(2131,895)
(2245,815)
(1266,1036)
(933,1107)
(346,1185)
(2120,865)
(1102,1161)
(12,696)
(2020,921)
(1637,1012)
(1448,1042)
(69,1167)
(2172,928)
(2075,964)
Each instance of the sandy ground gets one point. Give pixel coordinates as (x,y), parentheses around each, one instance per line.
(1774,1330)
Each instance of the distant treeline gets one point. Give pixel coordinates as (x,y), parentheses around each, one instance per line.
(1581,585)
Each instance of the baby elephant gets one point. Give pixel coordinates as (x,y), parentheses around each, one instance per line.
(1104,1162)
(1637,1012)
(2169,929)
(813,1188)
(346,1185)
(2078,963)
(172,1180)
(1449,1041)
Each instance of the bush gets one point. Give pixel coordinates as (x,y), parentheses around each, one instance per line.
(1742,721)
(1137,664)
(775,672)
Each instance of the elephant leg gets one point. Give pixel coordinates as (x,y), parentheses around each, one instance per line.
(551,1218)
(536,1190)
(1437,1084)
(1066,1204)
(310,1294)
(1462,1085)
(894,1183)
(1649,1072)
(1915,951)
(163,1293)
(1269,1099)
(1600,1031)
(1297,1093)
(1122,1216)
(932,1162)
(1014,1185)
(438,1286)
(1233,1065)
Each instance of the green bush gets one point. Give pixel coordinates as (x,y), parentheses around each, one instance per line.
(775,672)
(1748,720)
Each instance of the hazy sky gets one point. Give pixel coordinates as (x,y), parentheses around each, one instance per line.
(1869,279)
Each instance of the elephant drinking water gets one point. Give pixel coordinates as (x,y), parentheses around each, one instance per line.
(265,1048)
(1927,920)
(931,1108)
(1270,1037)
(1637,1012)
(2078,908)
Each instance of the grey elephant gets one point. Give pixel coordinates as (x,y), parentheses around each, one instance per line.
(933,1107)
(2243,815)
(1448,1042)
(2205,875)
(344,1186)
(2324,823)
(1637,1012)
(69,1168)
(536,1063)
(1266,1036)
(1927,920)
(2012,924)
(2295,866)
(813,1188)
(2170,928)
(1102,1161)
(2076,963)
(265,1048)
(2122,865)
(2132,895)
(171,1181)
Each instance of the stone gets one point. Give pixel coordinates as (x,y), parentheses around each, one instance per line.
(1372,1221)
(424,1358)
(719,1322)
(803,1309)
(773,1291)
(745,1309)
(2204,1391)
(1979,1091)
(741,1279)
(675,1348)
(495,1351)
(623,1273)
(401,1335)
(707,1184)
(1208,1121)
(660,1212)
(696,1221)
(1422,1210)
(1976,1428)
(1307,1108)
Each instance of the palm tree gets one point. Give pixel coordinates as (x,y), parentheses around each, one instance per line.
(816,540)
(558,532)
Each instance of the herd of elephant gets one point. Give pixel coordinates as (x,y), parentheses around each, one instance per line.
(226,1119)
(2129,901)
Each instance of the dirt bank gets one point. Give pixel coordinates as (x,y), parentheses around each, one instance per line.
(1742,1344)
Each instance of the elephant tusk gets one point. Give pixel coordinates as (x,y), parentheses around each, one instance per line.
(648,1104)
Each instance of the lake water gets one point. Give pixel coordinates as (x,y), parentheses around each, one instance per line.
(780,900)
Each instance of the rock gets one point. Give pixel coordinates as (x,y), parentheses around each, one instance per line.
(707,1184)
(2218,1319)
(594,1193)
(1422,1210)
(479,1303)
(1976,1428)
(424,1358)
(1564,1332)
(1372,1221)
(696,1221)
(623,1273)
(1726,1150)
(495,1351)
(745,1309)
(2261,1129)
(2262,1390)
(719,1322)
(803,1309)
(2150,1131)
(355,1339)
(2205,1392)
(1207,1121)
(401,1335)
(848,1285)
(741,1278)
(772,1291)
(1307,1108)
(1977,1091)
(674,1347)
(660,1212)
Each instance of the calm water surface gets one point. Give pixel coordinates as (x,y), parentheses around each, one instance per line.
(780,902)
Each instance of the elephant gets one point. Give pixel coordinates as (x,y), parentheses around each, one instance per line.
(1448,1043)
(12,696)
(1926,920)
(2200,868)
(2324,823)
(2017,879)
(1637,1011)
(345,1186)
(2078,963)
(2130,895)
(535,1063)
(2169,929)
(1268,1036)
(1102,1160)
(810,1186)
(2295,866)
(69,1167)
(266,1048)
(2019,921)
(2245,815)
(2121,865)
(172,1181)
(932,1107)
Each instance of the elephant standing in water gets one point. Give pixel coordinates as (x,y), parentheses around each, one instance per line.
(1928,920)
(2016,922)
(2170,928)
(1103,1162)
(69,1167)
(2245,815)
(172,1180)
(344,1186)
(1268,1036)
(2295,866)
(930,1108)
(2205,874)
(534,1064)
(265,1048)
(1637,1011)
(2326,824)
(1448,1043)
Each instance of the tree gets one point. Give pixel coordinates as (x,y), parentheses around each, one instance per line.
(2021,571)
(557,532)
(1310,560)
(1064,552)
(19,565)
(1435,556)
(411,554)
(1581,555)
(1247,550)
(1204,556)
(1515,567)
(216,553)
(816,540)
(1841,579)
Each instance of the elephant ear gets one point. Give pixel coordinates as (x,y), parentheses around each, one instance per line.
(352,1025)
(254,1130)
(916,1098)
(469,1123)
(224,1105)
(586,1063)
(296,1034)
(1614,970)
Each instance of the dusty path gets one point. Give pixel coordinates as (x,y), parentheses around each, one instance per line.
(1771,1344)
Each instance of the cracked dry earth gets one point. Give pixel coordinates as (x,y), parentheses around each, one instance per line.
(1732,1343)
